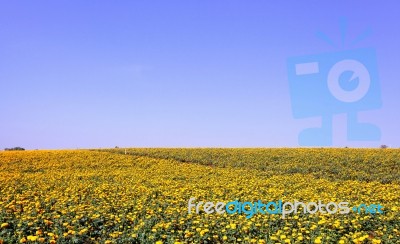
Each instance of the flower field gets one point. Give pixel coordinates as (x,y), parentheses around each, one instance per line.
(107,196)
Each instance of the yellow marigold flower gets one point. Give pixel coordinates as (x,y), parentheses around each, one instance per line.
(362,238)
(318,240)
(32,238)
(4,225)
(48,222)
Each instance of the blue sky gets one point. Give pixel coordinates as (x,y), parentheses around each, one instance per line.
(90,74)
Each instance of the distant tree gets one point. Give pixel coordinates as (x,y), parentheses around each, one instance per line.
(116,146)
(384,146)
(14,149)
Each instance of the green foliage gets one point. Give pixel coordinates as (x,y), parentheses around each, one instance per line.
(14,149)
(335,164)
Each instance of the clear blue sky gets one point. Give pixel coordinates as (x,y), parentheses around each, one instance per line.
(89,74)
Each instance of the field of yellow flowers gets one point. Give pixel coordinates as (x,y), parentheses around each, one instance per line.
(141,195)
